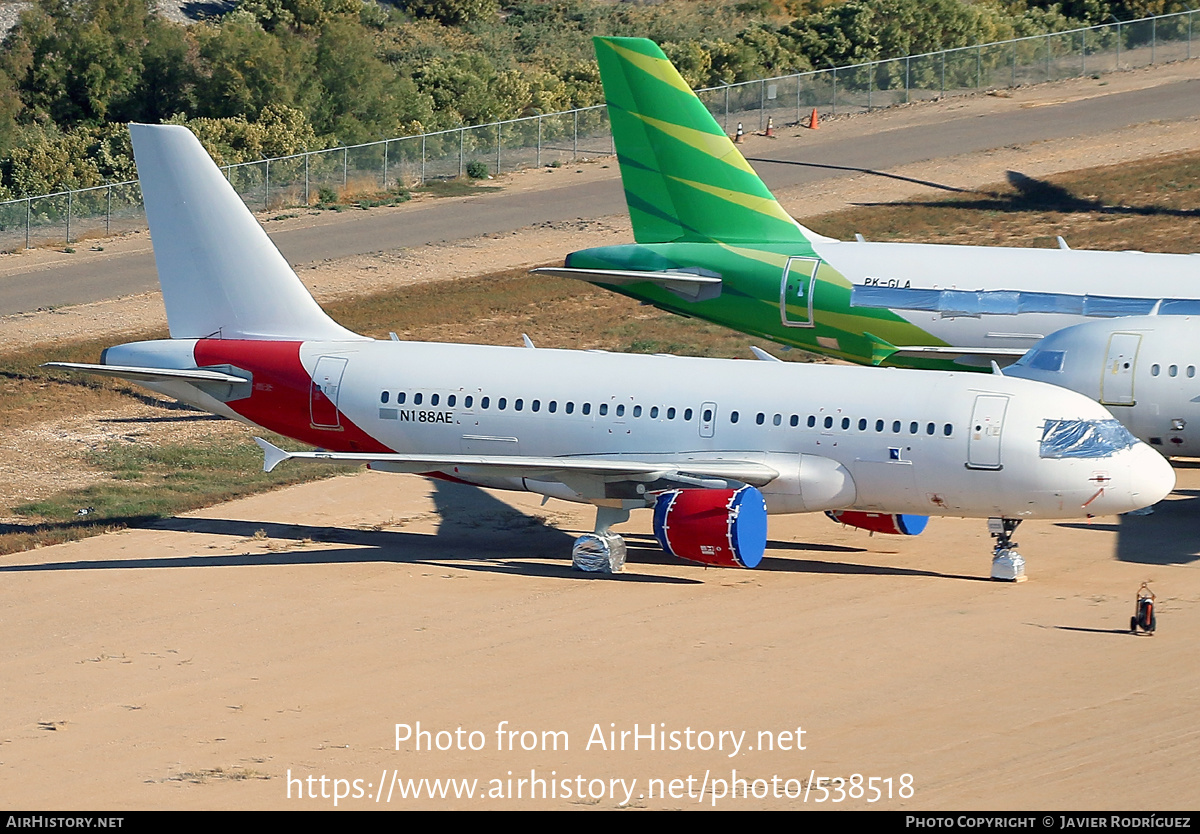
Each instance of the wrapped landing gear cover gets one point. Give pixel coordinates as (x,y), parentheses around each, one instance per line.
(725,527)
(599,553)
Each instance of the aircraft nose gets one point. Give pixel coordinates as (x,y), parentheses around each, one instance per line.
(1152,476)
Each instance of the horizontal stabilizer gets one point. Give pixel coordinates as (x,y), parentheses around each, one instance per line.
(688,285)
(150,374)
(746,472)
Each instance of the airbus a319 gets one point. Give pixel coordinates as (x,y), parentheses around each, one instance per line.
(711,446)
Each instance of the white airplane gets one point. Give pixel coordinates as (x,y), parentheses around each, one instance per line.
(711,445)
(1142,368)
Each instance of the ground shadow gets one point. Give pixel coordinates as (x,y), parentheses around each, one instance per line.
(871,171)
(1030,194)
(1168,536)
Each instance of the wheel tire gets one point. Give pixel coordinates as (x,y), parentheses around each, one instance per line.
(1133,624)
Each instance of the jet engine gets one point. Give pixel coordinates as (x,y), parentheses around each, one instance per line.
(726,527)
(901,525)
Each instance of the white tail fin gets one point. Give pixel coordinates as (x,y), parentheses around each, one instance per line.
(221,276)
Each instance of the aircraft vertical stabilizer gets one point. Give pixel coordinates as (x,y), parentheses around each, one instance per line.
(684,179)
(221,275)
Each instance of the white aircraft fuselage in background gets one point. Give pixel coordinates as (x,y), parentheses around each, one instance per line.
(1142,368)
(617,431)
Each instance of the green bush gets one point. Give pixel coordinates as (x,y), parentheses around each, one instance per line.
(477,170)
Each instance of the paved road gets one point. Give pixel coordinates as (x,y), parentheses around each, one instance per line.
(819,156)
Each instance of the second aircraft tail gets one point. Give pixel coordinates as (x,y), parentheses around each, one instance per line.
(684,179)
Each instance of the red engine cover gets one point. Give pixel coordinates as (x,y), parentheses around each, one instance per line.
(725,527)
(900,525)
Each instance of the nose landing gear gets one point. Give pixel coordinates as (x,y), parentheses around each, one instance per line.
(1007,564)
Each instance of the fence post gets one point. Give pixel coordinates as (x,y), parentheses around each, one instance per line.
(1083,52)
(943,93)
(461,153)
(28,217)
(1047,57)
(1014,65)
(306,197)
(70,194)
(108,213)
(978,66)
(497,148)
(726,109)
(267,186)
(907,82)
(460,166)
(1153,37)
(345,169)
(797,99)
(870,84)
(762,101)
(1118,46)
(539,152)
(385,162)
(575,141)
(835,91)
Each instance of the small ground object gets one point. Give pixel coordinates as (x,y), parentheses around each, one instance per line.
(1144,618)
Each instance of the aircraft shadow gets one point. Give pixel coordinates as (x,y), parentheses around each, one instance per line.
(871,171)
(1168,536)
(1032,194)
(477,532)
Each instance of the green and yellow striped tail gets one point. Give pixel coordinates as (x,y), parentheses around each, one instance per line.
(684,179)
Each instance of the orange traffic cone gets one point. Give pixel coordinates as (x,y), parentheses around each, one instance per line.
(770,126)
(812,122)
(739,137)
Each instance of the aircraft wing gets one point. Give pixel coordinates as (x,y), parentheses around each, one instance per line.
(689,285)
(593,477)
(150,374)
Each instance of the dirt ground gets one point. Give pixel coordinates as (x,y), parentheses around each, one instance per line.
(253,654)
(223,658)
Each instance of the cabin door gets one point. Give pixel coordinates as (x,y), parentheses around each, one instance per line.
(986,429)
(796,290)
(1116,379)
(323,393)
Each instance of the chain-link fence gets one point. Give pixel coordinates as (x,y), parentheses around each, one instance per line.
(574,135)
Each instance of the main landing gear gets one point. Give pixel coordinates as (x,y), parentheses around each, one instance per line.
(1007,563)
(602,551)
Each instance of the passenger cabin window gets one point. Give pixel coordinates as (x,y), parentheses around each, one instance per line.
(733,416)
(383,397)
(451,400)
(433,400)
(417,398)
(400,398)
